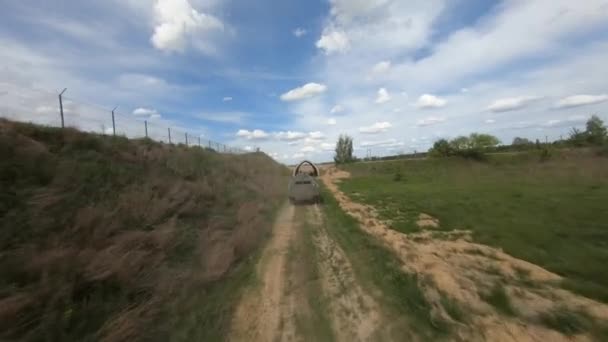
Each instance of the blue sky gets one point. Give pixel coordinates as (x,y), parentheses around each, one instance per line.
(290,76)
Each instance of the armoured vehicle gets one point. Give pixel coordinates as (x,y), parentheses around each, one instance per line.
(303,186)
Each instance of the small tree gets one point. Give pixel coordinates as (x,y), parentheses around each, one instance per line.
(577,137)
(344,150)
(481,141)
(596,131)
(521,141)
(441,148)
(460,143)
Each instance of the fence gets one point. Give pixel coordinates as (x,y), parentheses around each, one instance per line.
(43,107)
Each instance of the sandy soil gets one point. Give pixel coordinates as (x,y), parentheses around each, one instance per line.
(259,314)
(450,264)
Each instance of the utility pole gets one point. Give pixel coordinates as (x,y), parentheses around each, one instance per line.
(146,125)
(61,106)
(113,122)
(169,130)
(199,141)
(186,135)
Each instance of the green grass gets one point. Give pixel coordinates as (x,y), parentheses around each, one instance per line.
(552,213)
(571,321)
(498,298)
(378,270)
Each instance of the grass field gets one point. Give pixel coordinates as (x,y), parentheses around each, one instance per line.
(550,210)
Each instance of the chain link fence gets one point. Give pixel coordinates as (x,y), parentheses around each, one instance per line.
(28,104)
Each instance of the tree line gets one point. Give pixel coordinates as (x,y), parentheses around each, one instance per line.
(475,145)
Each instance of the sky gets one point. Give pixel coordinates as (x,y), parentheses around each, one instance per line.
(289,76)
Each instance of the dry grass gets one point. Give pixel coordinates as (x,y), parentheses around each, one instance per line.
(100,237)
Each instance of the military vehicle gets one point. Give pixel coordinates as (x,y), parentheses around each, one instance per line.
(303,186)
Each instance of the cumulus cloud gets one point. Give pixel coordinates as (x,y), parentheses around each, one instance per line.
(290,136)
(428,101)
(580,100)
(490,121)
(304,92)
(327,147)
(227,99)
(331,121)
(296,136)
(378,127)
(178,24)
(256,134)
(510,104)
(431,120)
(336,109)
(381,67)
(299,32)
(383,96)
(307,149)
(333,41)
(151,113)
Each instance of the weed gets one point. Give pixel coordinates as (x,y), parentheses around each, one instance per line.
(377,268)
(567,321)
(551,213)
(498,298)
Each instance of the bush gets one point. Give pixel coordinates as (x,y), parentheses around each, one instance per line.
(397,177)
(545,154)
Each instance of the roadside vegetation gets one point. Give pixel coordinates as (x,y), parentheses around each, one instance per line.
(380,272)
(547,210)
(104,238)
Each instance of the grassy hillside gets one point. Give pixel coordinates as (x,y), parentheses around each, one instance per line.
(107,238)
(548,209)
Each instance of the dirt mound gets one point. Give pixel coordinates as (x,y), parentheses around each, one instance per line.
(505,299)
(101,237)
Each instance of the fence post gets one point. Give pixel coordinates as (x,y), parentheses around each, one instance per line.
(199,141)
(210,145)
(169,130)
(186,135)
(61,106)
(146,125)
(113,122)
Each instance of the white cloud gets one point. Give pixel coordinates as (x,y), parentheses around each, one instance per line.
(296,136)
(381,67)
(378,127)
(227,98)
(290,136)
(248,148)
(333,41)
(256,134)
(431,120)
(331,121)
(510,104)
(427,101)
(307,149)
(144,112)
(383,143)
(383,96)
(299,32)
(327,147)
(580,100)
(298,155)
(316,135)
(464,90)
(336,109)
(178,24)
(304,92)
(490,121)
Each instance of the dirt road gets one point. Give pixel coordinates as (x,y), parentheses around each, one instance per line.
(308,288)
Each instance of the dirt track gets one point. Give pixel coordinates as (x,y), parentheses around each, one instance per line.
(307,289)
